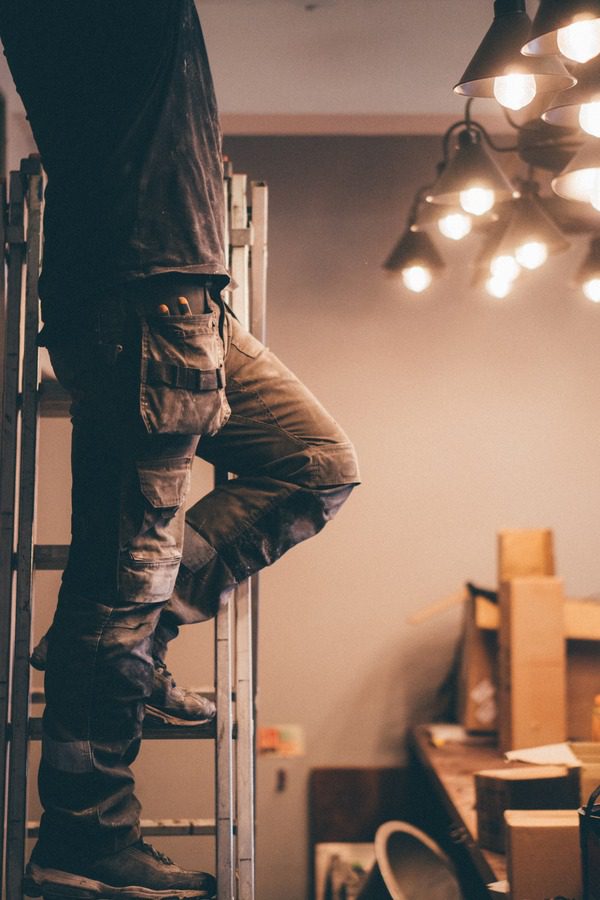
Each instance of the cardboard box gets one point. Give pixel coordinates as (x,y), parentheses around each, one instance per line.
(533,689)
(522,787)
(543,855)
(588,754)
(478,678)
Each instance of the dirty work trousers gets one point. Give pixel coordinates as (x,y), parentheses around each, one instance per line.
(139,567)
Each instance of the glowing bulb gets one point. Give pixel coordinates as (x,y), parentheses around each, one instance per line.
(477,200)
(498,287)
(515,90)
(595,190)
(580,41)
(589,118)
(591,289)
(417,278)
(455,226)
(532,254)
(505,267)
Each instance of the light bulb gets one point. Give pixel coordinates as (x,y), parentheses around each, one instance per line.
(417,278)
(455,226)
(505,267)
(477,200)
(580,41)
(515,90)
(595,190)
(589,118)
(532,254)
(498,287)
(591,289)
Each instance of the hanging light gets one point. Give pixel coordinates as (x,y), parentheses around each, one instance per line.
(470,179)
(530,235)
(569,27)
(416,260)
(579,107)
(498,69)
(580,180)
(451,221)
(588,276)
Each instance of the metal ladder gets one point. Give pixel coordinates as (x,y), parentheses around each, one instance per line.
(24,400)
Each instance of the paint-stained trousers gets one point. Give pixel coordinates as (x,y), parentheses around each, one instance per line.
(139,566)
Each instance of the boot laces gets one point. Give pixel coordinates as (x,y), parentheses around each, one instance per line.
(160,857)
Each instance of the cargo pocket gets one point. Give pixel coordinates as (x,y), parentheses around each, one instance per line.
(151,545)
(182,389)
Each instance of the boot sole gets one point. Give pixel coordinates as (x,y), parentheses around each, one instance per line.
(169,719)
(53,884)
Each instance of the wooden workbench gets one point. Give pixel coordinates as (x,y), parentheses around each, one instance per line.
(449,770)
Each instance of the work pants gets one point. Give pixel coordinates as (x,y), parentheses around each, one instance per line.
(137,570)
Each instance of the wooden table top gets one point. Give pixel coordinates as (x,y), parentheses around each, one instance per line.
(450,768)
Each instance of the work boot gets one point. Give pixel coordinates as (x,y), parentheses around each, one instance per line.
(167,702)
(138,872)
(174,705)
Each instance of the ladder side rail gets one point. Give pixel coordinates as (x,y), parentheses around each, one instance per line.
(245,741)
(8,468)
(259,204)
(248,593)
(224,686)
(18,760)
(3,226)
(241,234)
(224,753)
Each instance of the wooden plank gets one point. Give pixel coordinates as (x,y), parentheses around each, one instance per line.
(533,688)
(54,401)
(581,618)
(525,552)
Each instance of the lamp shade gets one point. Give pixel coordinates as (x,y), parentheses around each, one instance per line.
(553,15)
(565,108)
(414,248)
(530,234)
(469,169)
(580,180)
(499,54)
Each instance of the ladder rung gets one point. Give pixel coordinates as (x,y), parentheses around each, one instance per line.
(54,401)
(151,732)
(37,695)
(156,827)
(51,557)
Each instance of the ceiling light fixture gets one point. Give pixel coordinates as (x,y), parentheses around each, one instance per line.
(499,70)
(569,27)
(580,180)
(469,177)
(579,107)
(531,235)
(415,258)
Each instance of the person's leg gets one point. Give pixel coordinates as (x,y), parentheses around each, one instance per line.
(127,532)
(295,468)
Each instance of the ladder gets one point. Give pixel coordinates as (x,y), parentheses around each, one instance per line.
(24,400)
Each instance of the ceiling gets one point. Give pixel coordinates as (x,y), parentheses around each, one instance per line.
(381,60)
